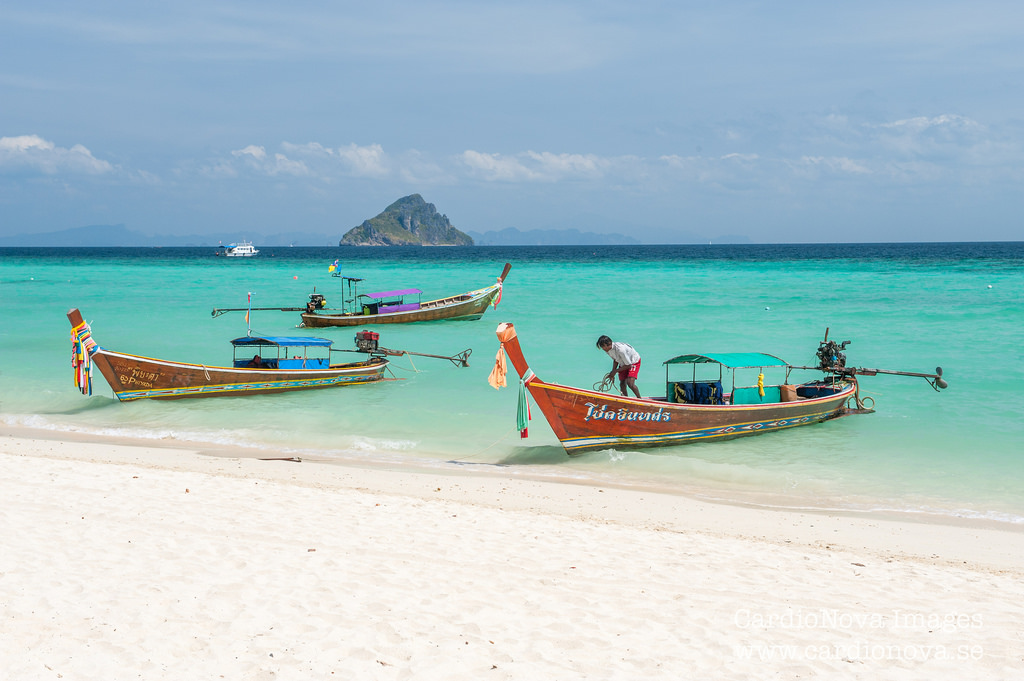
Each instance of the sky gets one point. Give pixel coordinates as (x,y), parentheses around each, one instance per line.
(670,122)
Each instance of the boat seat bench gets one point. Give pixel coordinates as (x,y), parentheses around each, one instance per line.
(694,392)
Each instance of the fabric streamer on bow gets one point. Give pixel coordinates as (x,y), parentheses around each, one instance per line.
(523,414)
(497,298)
(497,380)
(81,345)
(497,377)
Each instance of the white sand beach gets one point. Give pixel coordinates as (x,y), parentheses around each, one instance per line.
(126,560)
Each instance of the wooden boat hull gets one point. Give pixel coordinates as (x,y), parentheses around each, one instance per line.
(585,420)
(132,377)
(465,306)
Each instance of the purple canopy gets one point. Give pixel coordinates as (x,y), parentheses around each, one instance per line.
(390,294)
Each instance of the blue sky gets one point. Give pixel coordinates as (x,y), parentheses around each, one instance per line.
(672,122)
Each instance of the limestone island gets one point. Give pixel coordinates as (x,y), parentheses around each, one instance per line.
(409,221)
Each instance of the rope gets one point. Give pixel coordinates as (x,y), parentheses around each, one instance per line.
(392,366)
(605,385)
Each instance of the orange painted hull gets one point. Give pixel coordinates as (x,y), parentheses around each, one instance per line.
(588,420)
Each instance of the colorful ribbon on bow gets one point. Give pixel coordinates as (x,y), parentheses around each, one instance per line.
(82,346)
(497,380)
(497,298)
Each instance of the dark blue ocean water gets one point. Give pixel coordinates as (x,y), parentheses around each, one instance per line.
(904,306)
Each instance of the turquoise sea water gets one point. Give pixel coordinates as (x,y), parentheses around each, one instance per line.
(904,306)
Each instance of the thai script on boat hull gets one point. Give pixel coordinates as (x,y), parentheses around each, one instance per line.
(596,413)
(133,376)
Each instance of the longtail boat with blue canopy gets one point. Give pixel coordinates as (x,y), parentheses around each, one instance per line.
(260,364)
(708,397)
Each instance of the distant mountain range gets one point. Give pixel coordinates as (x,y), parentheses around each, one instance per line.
(510,236)
(119,235)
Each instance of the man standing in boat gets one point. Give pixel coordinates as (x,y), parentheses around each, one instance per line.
(625,363)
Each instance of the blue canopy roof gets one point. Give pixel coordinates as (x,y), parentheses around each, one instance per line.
(282,341)
(732,360)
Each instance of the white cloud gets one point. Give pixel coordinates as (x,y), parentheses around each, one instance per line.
(922,123)
(740,157)
(258,153)
(533,166)
(870,153)
(945,140)
(835,164)
(416,168)
(32,151)
(314,160)
(496,167)
(678,161)
(369,161)
(283,164)
(566,165)
(257,159)
(219,169)
(308,149)
(727,170)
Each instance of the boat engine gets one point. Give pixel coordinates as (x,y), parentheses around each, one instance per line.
(831,356)
(366,341)
(316,302)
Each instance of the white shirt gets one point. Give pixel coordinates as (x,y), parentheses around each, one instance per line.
(623,354)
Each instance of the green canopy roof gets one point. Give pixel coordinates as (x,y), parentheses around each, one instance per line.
(732,360)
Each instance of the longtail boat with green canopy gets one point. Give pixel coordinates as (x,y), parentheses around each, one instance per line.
(261,364)
(708,397)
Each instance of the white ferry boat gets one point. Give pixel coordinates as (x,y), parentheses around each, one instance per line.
(243,249)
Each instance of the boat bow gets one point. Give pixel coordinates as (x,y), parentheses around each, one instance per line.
(506,333)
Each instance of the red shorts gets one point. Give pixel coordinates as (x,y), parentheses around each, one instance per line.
(631,371)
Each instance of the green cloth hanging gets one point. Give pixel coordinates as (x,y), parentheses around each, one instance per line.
(523,412)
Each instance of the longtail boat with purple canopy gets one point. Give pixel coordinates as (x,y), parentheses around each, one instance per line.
(398,306)
(722,396)
(261,364)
